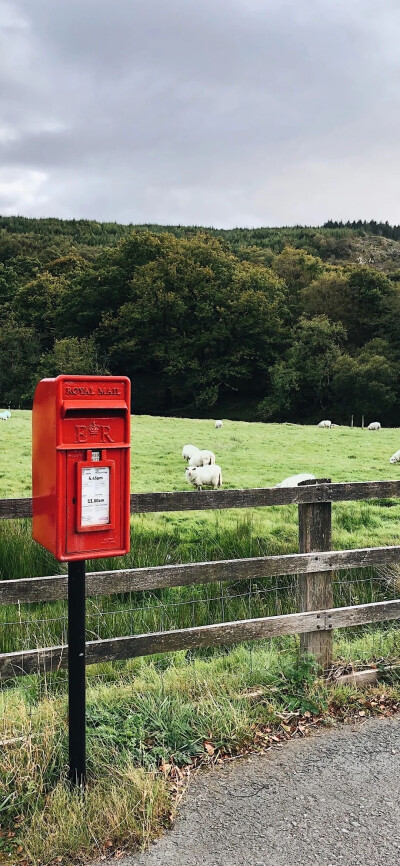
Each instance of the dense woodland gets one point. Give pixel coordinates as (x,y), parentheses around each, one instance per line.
(263,324)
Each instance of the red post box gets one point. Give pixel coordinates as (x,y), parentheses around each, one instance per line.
(81,466)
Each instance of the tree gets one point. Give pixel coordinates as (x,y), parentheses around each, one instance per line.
(328,295)
(369,299)
(366,384)
(301,384)
(8,284)
(106,284)
(19,356)
(74,356)
(199,321)
(36,303)
(298,269)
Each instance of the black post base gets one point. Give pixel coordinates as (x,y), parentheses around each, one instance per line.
(76,673)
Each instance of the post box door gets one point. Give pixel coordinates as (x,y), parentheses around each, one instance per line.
(95,502)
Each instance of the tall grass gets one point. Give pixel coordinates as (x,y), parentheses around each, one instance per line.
(156,713)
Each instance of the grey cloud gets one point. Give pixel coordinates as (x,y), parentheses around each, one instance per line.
(228,112)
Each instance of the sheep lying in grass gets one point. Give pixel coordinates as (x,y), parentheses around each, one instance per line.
(204,476)
(395,458)
(202,458)
(295,480)
(374,425)
(4,416)
(188,451)
(218,425)
(326,423)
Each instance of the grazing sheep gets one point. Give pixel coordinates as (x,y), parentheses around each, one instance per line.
(395,458)
(295,480)
(218,425)
(207,458)
(327,424)
(204,476)
(202,458)
(4,416)
(374,425)
(188,451)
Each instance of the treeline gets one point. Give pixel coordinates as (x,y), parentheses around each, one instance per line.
(372,227)
(203,322)
(88,234)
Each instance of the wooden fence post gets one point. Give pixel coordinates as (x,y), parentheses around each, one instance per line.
(316,589)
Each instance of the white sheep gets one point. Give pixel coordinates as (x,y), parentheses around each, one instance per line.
(188,451)
(395,458)
(374,425)
(218,425)
(4,416)
(202,458)
(327,424)
(204,476)
(295,480)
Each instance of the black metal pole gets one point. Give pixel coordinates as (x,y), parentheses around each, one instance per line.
(76,673)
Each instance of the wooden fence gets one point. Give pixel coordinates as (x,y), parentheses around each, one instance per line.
(314,565)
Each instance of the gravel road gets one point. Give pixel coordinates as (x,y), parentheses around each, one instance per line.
(331,799)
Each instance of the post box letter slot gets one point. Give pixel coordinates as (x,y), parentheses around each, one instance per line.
(95,496)
(99,413)
(105,408)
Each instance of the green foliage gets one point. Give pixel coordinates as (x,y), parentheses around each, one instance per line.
(365,383)
(327,295)
(297,269)
(196,317)
(20,350)
(306,370)
(74,356)
(205,320)
(371,226)
(35,304)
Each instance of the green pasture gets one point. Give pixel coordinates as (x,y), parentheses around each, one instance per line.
(251,454)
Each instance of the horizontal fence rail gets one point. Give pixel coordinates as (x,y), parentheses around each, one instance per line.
(314,566)
(55,658)
(54,587)
(249,498)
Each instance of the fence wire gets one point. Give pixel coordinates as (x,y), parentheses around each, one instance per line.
(37,625)
(45,624)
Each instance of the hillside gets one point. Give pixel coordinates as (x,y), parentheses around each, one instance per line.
(376,244)
(271,324)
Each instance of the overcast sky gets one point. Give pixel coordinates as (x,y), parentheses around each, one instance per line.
(215,112)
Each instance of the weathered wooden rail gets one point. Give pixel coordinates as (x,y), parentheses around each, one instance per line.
(314,564)
(255,497)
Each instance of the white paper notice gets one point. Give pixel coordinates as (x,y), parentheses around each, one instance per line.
(95,496)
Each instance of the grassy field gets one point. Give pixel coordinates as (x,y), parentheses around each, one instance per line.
(251,455)
(157,712)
